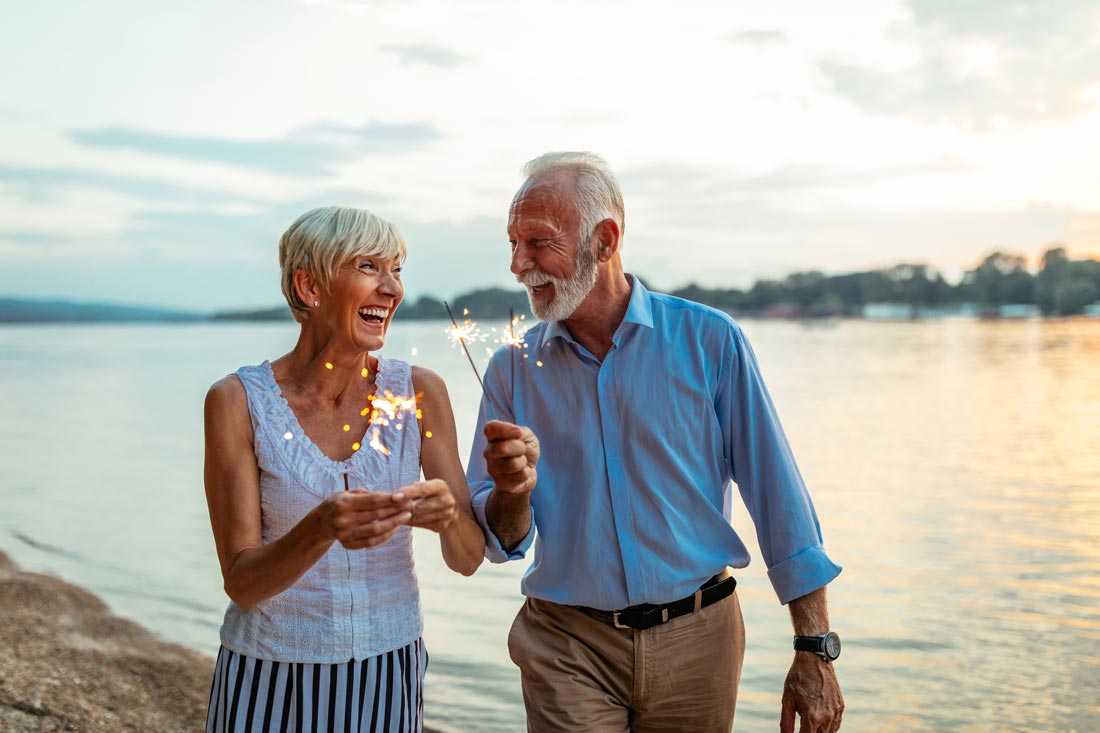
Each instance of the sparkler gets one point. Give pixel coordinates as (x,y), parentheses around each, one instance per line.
(513,338)
(460,334)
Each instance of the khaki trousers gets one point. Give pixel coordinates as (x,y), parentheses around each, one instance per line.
(580,673)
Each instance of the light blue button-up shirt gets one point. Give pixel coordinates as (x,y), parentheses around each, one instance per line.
(639,453)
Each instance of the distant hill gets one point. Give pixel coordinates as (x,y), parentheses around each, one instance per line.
(19,310)
(278,313)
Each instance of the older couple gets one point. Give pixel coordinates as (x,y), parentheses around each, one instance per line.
(613,458)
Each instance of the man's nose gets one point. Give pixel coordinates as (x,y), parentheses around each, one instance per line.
(521,259)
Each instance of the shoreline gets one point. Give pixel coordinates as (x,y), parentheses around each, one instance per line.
(67,663)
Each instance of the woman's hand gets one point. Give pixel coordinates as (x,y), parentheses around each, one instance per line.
(359,518)
(434,505)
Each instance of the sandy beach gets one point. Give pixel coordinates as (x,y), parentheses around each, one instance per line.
(68,664)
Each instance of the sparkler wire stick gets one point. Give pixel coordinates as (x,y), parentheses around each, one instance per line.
(462,341)
(511,349)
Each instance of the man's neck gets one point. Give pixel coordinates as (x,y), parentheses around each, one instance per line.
(594,323)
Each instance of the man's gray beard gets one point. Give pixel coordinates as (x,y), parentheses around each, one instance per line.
(569,292)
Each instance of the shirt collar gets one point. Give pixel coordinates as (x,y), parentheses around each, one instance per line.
(639,310)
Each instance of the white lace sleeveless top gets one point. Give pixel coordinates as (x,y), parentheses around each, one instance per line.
(351,604)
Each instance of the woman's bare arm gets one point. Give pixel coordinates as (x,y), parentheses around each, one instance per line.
(252,571)
(462,540)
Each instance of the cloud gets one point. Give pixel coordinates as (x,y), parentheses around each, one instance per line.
(758,37)
(702,183)
(983,60)
(425,53)
(45,184)
(310,151)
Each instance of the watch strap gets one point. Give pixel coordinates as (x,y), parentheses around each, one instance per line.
(809,643)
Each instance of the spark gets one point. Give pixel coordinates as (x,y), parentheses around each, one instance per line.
(467,331)
(389,406)
(364,373)
(427,433)
(355,446)
(346,427)
(376,443)
(288,436)
(456,329)
(328,365)
(538,363)
(415,351)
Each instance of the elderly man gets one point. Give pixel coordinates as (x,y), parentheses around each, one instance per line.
(647,408)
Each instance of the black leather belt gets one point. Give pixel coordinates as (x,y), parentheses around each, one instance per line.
(647,615)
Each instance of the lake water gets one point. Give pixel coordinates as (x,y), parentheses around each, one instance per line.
(955,466)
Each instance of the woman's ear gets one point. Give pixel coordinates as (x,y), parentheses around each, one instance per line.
(307,287)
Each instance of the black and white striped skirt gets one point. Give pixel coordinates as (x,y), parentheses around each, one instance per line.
(379,694)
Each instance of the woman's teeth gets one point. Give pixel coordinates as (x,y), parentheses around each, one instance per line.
(376,315)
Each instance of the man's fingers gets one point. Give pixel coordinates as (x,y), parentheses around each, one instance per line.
(786,717)
(499,430)
(506,449)
(511,465)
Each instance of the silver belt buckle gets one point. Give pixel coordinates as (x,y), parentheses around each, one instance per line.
(615,619)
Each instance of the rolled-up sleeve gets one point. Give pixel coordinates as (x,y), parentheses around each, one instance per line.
(762,464)
(477,474)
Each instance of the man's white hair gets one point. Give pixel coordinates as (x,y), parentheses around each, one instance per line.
(598,194)
(322,240)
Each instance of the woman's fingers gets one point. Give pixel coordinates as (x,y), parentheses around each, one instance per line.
(374,532)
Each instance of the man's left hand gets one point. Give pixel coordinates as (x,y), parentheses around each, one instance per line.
(813,693)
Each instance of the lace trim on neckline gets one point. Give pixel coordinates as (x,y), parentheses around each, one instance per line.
(278,403)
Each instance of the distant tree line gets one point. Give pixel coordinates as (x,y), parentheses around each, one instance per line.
(1061,287)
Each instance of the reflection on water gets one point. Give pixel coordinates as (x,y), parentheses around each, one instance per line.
(955,466)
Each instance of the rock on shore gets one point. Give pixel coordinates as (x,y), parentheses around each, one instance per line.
(68,664)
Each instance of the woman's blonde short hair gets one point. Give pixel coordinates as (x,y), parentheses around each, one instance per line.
(321,240)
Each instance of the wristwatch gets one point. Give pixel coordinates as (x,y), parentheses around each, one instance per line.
(826,646)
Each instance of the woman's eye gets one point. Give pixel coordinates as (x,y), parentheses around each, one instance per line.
(397,270)
(367,264)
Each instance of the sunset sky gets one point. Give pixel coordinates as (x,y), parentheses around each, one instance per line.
(153,152)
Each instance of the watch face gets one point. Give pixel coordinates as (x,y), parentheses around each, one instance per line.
(832,645)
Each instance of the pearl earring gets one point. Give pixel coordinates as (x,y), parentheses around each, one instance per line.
(316,303)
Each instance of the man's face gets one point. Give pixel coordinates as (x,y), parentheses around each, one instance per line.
(548,256)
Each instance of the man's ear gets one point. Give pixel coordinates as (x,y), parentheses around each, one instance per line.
(307,287)
(607,239)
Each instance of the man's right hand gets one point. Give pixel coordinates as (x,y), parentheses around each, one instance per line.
(511,454)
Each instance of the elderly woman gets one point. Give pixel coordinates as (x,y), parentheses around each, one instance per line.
(312,468)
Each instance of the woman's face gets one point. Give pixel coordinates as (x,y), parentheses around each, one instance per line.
(362,298)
